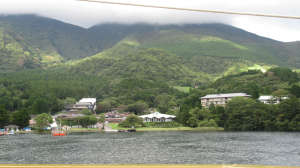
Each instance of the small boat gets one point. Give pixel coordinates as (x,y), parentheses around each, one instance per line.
(128,130)
(131,130)
(58,133)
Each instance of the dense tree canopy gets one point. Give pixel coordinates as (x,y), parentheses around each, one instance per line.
(43,120)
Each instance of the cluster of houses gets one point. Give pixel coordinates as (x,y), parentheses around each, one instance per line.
(74,111)
(114,116)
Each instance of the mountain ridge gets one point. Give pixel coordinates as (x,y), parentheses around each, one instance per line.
(212,49)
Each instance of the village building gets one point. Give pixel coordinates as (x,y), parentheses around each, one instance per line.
(157,117)
(115,116)
(84,103)
(69,115)
(220,99)
(268,99)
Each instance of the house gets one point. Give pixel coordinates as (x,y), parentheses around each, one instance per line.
(157,117)
(84,103)
(268,99)
(220,99)
(70,115)
(115,116)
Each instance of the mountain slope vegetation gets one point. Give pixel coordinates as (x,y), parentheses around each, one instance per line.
(127,59)
(198,51)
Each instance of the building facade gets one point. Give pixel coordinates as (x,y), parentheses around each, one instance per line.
(220,99)
(268,99)
(157,117)
(84,103)
(115,116)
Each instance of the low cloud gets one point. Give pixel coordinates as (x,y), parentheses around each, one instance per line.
(87,14)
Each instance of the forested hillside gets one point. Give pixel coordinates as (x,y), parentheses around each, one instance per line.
(215,49)
(127,59)
(46,64)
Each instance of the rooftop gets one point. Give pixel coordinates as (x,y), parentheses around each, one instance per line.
(157,115)
(88,100)
(225,95)
(265,97)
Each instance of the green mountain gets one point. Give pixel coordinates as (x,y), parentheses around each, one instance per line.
(127,60)
(180,53)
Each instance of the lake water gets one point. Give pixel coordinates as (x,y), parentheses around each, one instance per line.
(154,148)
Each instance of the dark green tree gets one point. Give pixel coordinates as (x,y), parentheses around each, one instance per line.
(87,121)
(295,90)
(244,114)
(21,118)
(43,120)
(4,117)
(288,111)
(137,108)
(40,106)
(132,121)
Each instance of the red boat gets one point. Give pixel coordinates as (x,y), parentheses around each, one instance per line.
(58,133)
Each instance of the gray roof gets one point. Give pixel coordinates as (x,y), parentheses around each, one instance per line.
(225,95)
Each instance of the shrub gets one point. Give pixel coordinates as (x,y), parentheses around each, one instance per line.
(132,121)
(208,123)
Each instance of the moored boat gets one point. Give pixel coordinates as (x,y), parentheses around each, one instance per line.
(58,133)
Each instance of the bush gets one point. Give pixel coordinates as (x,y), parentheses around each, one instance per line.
(87,121)
(207,123)
(162,124)
(132,121)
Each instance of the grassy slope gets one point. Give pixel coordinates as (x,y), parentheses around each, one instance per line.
(267,83)
(127,59)
(208,53)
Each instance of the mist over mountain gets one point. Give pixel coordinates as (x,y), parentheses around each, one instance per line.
(29,41)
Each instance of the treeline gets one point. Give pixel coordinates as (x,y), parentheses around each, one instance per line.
(247,114)
(35,92)
(39,91)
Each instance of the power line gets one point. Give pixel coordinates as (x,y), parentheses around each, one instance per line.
(194,10)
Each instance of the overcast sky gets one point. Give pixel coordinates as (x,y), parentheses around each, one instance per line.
(87,14)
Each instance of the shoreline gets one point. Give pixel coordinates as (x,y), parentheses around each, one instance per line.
(149,129)
(200,129)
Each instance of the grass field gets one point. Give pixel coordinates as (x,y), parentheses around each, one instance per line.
(115,126)
(135,166)
(183,89)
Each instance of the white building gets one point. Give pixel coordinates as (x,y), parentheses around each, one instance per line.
(220,99)
(157,117)
(268,99)
(85,103)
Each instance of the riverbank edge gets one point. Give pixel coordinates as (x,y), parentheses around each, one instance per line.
(200,129)
(146,129)
(150,129)
(138,166)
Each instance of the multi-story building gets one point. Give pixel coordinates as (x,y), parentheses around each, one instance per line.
(84,103)
(220,99)
(267,99)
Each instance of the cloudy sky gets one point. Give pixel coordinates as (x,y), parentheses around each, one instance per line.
(87,14)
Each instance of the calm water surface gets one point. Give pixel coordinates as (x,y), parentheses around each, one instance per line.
(154,148)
